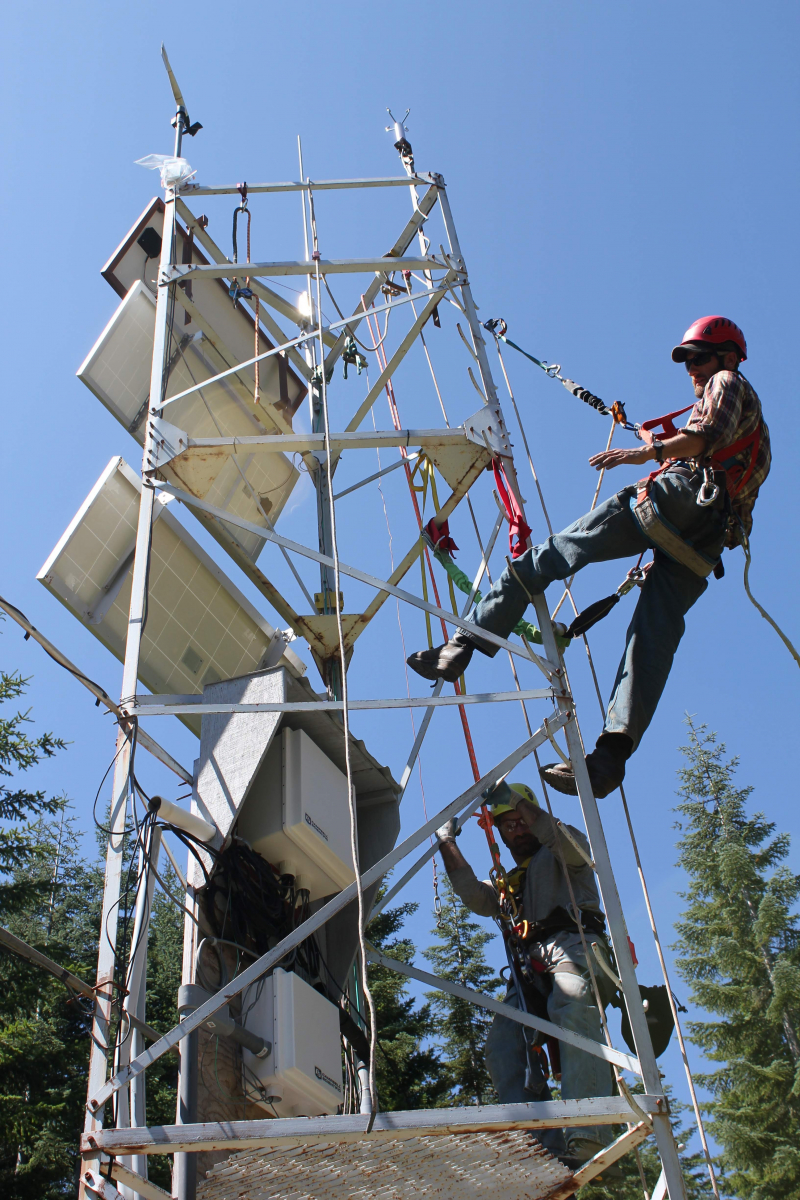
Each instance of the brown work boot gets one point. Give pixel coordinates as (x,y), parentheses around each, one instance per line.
(448,662)
(605,764)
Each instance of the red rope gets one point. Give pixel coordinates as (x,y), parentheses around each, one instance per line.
(485,820)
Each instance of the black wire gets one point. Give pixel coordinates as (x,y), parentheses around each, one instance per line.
(106,829)
(191,844)
(72,670)
(119,955)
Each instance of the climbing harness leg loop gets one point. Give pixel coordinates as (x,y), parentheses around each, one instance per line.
(662,535)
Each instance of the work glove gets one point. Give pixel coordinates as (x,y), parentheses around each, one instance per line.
(449,831)
(500,793)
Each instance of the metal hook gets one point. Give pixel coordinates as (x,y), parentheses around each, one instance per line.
(636,576)
(708,489)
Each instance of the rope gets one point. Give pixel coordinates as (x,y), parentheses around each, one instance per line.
(640,869)
(389,388)
(257,391)
(437,904)
(485,820)
(763,611)
(345,714)
(350,331)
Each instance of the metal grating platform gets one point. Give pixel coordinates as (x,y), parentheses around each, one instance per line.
(450,1167)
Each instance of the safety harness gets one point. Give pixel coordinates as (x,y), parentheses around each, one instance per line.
(735,475)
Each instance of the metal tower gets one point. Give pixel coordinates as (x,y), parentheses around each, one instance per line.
(180,463)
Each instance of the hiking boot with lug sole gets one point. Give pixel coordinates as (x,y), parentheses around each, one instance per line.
(606,773)
(447,662)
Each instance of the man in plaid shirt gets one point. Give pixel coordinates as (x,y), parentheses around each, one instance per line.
(699,500)
(727,410)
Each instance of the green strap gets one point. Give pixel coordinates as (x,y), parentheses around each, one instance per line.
(523,628)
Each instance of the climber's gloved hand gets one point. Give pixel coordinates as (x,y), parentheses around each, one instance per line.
(501,793)
(449,831)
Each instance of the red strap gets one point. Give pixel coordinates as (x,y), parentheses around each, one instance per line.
(738,476)
(631,946)
(517,525)
(665,422)
(644,484)
(440,537)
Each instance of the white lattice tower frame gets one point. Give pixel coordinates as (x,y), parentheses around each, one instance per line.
(162,443)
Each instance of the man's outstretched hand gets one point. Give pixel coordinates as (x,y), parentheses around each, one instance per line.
(617,458)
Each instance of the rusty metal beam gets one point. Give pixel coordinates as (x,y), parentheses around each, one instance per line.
(432,1122)
(608,1155)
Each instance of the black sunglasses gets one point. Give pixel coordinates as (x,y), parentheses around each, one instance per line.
(699,360)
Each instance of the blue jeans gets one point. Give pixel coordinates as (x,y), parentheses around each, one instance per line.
(571,1005)
(669,591)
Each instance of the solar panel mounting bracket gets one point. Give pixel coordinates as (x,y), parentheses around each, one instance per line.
(487,429)
(167,442)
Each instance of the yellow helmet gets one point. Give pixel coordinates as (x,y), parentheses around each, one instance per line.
(523,790)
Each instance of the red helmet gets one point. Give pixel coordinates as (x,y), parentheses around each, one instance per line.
(710,331)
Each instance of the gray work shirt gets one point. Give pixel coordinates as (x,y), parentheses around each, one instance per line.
(545,886)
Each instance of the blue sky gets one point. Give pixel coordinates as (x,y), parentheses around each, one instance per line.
(615,171)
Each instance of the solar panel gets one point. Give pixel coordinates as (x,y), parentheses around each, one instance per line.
(208,335)
(117,371)
(200,628)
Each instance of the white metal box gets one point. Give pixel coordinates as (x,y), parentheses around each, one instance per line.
(302,1077)
(297,814)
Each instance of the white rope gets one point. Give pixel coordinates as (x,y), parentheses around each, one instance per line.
(763,611)
(345,715)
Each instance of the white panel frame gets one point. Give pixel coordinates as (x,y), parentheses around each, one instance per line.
(51,574)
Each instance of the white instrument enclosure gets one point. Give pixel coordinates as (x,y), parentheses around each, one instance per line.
(296,815)
(303,1074)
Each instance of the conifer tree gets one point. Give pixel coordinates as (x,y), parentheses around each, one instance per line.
(18,805)
(462,1028)
(50,897)
(626,1183)
(407,1075)
(740,951)
(44,1033)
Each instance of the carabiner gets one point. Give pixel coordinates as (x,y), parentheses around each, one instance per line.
(635,576)
(707,497)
